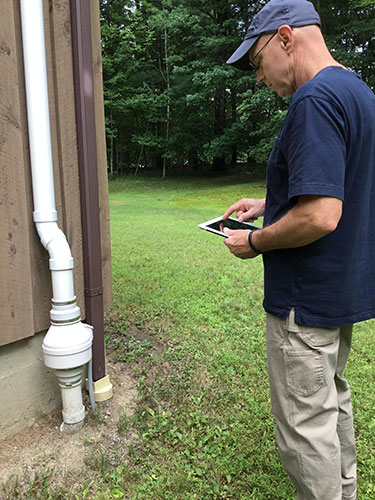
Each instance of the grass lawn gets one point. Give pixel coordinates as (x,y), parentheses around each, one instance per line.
(203,427)
(188,321)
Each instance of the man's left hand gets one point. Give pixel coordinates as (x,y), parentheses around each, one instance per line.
(238,243)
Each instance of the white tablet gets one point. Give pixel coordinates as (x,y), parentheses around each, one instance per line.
(216,225)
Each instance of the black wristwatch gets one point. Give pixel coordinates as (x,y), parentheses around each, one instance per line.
(252,246)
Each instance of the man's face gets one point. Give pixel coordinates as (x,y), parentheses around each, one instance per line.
(272,64)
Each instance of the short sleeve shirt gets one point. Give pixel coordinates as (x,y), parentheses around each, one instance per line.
(326,146)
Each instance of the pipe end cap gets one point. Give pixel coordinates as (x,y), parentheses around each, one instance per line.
(103,389)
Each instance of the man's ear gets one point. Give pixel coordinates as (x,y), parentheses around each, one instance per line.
(285,33)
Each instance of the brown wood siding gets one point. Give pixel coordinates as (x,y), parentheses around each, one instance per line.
(16,311)
(25,292)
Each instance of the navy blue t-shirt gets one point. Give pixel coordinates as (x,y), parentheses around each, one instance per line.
(326,146)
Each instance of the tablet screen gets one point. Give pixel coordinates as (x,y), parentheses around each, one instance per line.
(216,225)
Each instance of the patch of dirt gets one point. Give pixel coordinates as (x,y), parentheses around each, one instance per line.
(106,440)
(44,446)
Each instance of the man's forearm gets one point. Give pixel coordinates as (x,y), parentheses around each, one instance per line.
(310,219)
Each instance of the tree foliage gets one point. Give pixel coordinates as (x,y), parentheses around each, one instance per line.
(349,29)
(172,102)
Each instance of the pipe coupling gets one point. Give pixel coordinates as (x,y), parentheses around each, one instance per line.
(61,264)
(65,314)
(45,216)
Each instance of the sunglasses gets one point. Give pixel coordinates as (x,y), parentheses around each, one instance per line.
(252,63)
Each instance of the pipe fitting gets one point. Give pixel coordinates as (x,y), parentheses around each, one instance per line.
(55,242)
(67,346)
(63,313)
(70,382)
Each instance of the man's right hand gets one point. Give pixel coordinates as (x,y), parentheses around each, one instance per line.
(247,209)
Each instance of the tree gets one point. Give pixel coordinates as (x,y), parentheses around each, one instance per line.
(171,100)
(349,28)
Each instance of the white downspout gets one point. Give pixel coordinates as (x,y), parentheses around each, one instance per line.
(67,344)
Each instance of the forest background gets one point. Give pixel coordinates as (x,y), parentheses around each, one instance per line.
(172,104)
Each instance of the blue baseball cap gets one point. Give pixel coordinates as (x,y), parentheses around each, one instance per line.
(274,14)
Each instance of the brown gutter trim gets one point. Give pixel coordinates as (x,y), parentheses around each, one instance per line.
(87,158)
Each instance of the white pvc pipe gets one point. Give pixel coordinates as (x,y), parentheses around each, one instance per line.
(67,345)
(71,393)
(37,105)
(45,215)
(62,286)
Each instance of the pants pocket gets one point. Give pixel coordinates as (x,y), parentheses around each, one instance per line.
(305,372)
(306,352)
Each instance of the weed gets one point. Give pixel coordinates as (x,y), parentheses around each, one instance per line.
(123,423)
(99,461)
(130,350)
(87,440)
(37,487)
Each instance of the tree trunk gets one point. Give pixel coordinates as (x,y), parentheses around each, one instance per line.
(140,153)
(193,160)
(168,103)
(233,101)
(218,163)
(111,155)
(138,160)
(114,156)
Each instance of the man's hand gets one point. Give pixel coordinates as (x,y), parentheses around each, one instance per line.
(247,209)
(238,243)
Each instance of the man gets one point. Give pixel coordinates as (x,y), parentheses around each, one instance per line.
(317,242)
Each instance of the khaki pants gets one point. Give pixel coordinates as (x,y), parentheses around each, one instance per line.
(312,408)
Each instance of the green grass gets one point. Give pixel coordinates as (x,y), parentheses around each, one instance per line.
(187,319)
(204,425)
